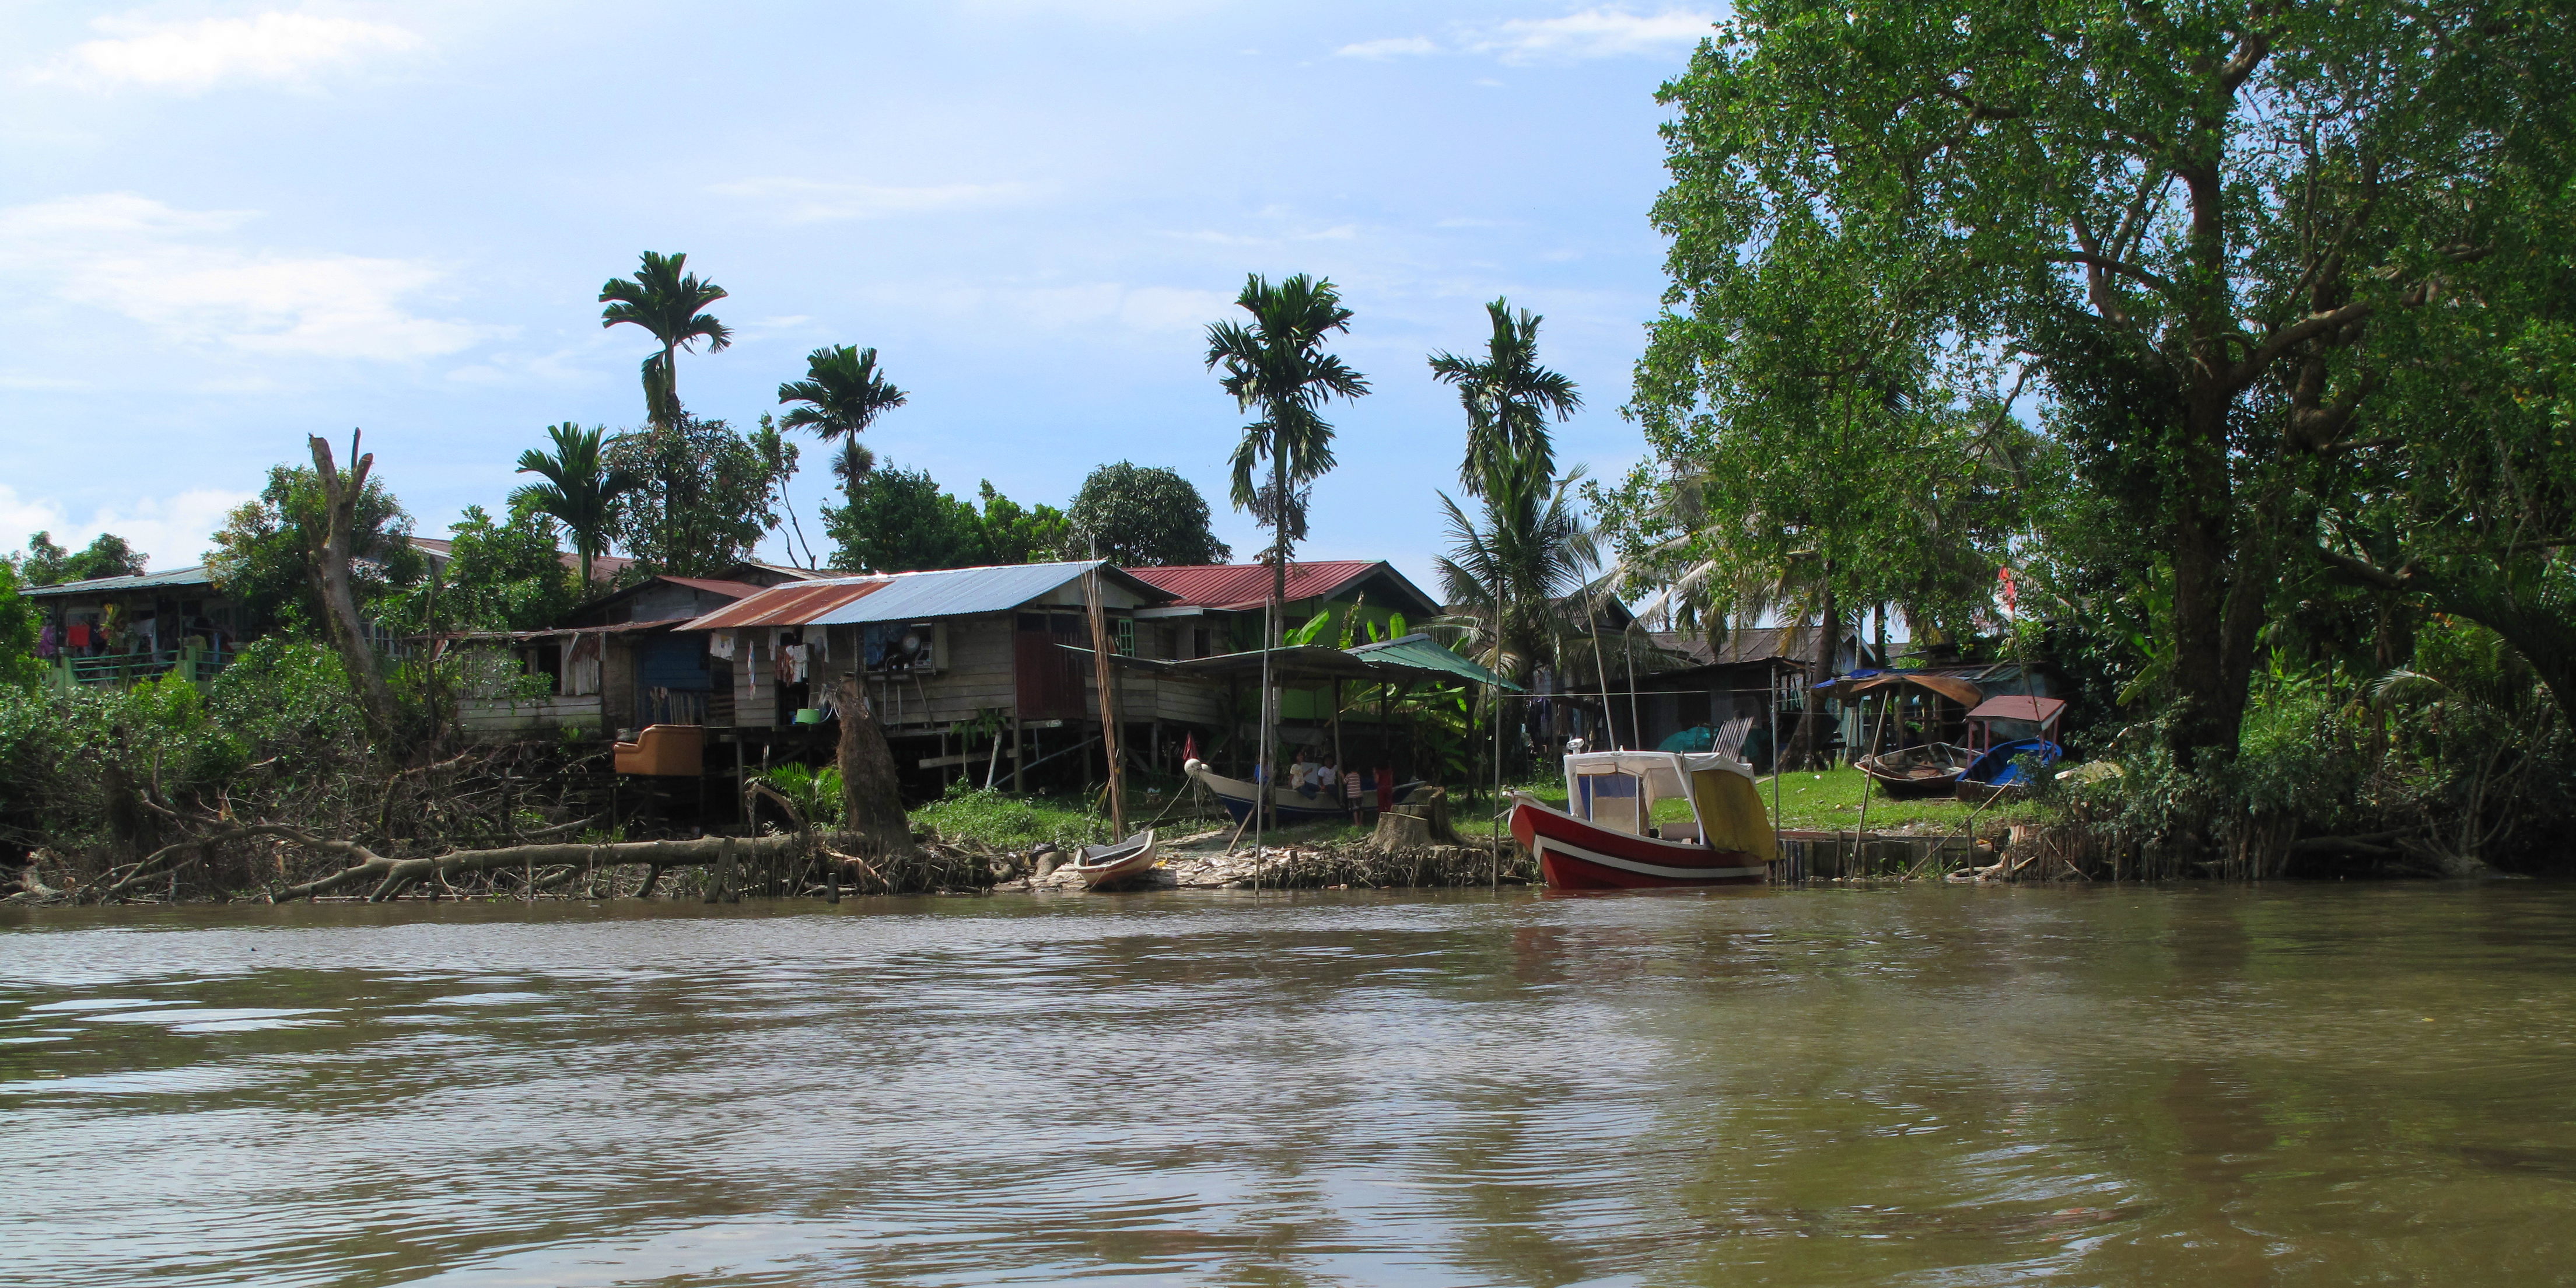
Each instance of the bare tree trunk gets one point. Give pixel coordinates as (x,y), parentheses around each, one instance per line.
(871,796)
(1819,670)
(327,562)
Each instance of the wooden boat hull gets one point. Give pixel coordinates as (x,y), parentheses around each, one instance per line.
(1917,771)
(1104,865)
(1575,855)
(1287,806)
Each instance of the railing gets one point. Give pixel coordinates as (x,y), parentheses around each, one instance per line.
(196,665)
(672,706)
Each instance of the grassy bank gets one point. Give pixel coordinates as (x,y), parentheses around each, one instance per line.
(1830,800)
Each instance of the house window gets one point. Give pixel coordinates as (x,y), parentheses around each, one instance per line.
(1122,636)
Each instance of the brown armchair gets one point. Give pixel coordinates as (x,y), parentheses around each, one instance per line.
(668,751)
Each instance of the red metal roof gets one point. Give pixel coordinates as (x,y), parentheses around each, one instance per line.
(793,604)
(1238,586)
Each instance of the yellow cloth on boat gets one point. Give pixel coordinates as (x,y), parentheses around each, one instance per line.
(1730,809)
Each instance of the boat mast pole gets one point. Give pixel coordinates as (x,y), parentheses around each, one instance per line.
(1108,684)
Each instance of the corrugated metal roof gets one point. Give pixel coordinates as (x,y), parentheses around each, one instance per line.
(906,596)
(728,589)
(198,575)
(1245,586)
(797,603)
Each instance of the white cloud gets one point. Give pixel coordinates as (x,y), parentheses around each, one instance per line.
(1603,32)
(170,270)
(805,201)
(275,47)
(174,532)
(1600,32)
(1390,47)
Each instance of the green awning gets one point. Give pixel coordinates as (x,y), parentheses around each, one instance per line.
(1420,652)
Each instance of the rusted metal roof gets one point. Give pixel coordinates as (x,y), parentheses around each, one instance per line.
(909,596)
(1247,586)
(797,603)
(728,589)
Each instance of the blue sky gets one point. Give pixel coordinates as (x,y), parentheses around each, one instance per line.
(224,226)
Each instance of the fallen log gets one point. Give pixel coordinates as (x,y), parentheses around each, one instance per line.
(393,875)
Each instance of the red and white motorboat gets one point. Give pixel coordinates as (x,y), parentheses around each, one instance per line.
(1606,837)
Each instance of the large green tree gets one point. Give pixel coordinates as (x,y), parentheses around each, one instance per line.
(1277,365)
(581,490)
(669,303)
(1508,397)
(1141,516)
(704,496)
(899,520)
(503,574)
(2184,220)
(49,564)
(843,393)
(19,666)
(260,555)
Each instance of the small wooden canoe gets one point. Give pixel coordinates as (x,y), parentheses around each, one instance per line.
(1932,769)
(1107,865)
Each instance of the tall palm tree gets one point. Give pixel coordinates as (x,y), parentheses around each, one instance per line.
(665,302)
(843,393)
(1278,365)
(1508,398)
(581,491)
(1510,574)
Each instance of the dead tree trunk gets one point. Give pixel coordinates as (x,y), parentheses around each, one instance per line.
(871,795)
(327,555)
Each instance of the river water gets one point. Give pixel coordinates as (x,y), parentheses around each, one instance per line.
(2307,1085)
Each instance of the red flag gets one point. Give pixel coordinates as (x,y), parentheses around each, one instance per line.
(1189,749)
(2012,591)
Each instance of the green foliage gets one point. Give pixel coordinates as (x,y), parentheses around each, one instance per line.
(1033,535)
(1278,366)
(2197,240)
(581,490)
(1508,398)
(1506,578)
(703,496)
(502,576)
(261,556)
(899,520)
(666,302)
(1009,822)
(19,666)
(48,564)
(816,793)
(843,393)
(1139,516)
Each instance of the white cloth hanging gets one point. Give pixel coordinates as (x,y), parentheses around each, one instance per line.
(720,644)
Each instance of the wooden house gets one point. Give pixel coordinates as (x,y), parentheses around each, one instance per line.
(1002,650)
(116,630)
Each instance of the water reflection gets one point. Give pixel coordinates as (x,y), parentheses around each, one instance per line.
(1924,1086)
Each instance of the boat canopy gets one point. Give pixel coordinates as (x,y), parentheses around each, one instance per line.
(1617,790)
(1661,771)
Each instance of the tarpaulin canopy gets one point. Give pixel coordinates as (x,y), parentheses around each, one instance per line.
(1948,686)
(1422,652)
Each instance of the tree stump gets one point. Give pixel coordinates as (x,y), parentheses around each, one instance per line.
(1421,821)
(871,795)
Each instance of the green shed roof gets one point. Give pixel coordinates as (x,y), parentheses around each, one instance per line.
(1421,651)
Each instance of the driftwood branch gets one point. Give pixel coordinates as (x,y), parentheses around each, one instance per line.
(393,875)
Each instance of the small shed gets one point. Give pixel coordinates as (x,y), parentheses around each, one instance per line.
(2013,717)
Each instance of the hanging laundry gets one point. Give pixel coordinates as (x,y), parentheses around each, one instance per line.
(791,663)
(720,644)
